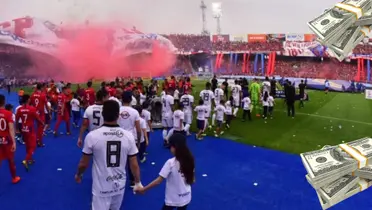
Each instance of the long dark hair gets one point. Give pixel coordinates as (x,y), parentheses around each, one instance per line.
(266,95)
(187,164)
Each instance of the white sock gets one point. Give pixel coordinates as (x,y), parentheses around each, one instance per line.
(164,133)
(170,133)
(187,128)
(206,123)
(236,111)
(213,118)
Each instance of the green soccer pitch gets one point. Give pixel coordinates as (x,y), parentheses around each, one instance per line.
(327,119)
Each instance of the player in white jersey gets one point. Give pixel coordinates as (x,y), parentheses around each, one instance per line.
(207,96)
(220,113)
(266,85)
(167,102)
(92,118)
(179,173)
(116,99)
(129,120)
(218,96)
(187,101)
(236,91)
(200,110)
(111,147)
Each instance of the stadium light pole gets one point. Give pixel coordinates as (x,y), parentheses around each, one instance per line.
(203,8)
(217,14)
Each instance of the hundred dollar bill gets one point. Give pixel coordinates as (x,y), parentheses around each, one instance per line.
(335,190)
(317,184)
(327,162)
(365,172)
(363,146)
(360,186)
(332,23)
(349,40)
(344,44)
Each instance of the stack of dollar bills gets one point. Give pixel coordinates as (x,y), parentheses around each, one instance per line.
(335,27)
(339,172)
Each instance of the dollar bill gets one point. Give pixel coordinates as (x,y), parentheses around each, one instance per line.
(365,172)
(363,146)
(344,44)
(334,190)
(351,192)
(326,162)
(332,23)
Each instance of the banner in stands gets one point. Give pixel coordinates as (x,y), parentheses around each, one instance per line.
(307,49)
(294,37)
(44,36)
(309,37)
(220,38)
(257,37)
(276,37)
(238,38)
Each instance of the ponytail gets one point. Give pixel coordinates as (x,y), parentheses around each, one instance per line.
(187,164)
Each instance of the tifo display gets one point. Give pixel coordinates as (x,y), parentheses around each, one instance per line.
(339,172)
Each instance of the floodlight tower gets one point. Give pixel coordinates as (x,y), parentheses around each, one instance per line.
(203,8)
(217,14)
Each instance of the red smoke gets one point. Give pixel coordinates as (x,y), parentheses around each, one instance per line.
(87,55)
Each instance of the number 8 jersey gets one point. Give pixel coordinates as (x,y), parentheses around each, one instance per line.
(94,115)
(110,147)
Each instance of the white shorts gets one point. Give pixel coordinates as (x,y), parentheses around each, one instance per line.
(208,112)
(107,203)
(167,121)
(237,102)
(188,118)
(216,102)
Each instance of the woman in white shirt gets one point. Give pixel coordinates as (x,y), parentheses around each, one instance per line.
(179,173)
(265,104)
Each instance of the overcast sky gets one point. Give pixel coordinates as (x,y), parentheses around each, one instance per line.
(177,16)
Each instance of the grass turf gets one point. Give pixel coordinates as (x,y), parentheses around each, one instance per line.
(327,119)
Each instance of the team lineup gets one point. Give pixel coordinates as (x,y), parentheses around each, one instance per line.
(119,128)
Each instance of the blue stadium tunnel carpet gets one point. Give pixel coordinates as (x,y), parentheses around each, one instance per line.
(225,175)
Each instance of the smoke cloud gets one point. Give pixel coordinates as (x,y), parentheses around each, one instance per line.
(87,55)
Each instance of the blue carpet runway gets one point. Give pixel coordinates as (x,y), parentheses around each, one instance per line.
(225,175)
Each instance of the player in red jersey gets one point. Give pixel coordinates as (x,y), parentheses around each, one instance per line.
(112,90)
(7,139)
(63,114)
(39,101)
(187,86)
(172,83)
(28,115)
(89,95)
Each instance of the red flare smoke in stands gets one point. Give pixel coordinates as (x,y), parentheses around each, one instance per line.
(88,56)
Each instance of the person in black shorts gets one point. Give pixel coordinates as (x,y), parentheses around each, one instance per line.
(302,87)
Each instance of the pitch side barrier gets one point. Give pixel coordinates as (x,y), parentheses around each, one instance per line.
(316,84)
